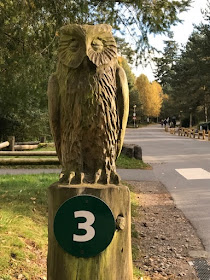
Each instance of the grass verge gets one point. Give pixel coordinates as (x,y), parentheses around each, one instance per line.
(131,163)
(23,227)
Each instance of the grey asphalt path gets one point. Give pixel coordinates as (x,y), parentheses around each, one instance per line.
(167,153)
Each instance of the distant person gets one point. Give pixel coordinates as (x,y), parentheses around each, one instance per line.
(165,122)
(174,121)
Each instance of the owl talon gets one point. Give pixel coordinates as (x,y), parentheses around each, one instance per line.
(63,178)
(71,177)
(61,175)
(80,178)
(97,176)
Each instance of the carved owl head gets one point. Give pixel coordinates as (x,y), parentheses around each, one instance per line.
(94,41)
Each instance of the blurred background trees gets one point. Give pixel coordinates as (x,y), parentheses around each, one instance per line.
(185,75)
(150,95)
(28,41)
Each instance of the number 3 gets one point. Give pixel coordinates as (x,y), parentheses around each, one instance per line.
(90,231)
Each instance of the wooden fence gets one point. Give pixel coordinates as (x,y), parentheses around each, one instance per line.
(191,133)
(11,145)
(19,153)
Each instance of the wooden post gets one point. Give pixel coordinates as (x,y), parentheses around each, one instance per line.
(209,135)
(43,139)
(204,134)
(115,262)
(11,140)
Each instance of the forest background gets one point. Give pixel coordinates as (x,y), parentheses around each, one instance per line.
(29,35)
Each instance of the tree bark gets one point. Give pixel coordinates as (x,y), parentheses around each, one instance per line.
(115,262)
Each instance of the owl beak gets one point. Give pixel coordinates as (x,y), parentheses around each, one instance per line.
(88,62)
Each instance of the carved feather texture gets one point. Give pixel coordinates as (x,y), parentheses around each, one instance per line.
(89,121)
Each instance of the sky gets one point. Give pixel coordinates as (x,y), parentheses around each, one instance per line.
(182,31)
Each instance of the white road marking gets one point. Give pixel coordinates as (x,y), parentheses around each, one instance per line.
(194,173)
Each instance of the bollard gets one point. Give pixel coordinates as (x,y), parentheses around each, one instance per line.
(115,262)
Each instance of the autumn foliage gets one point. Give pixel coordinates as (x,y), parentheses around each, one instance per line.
(151,96)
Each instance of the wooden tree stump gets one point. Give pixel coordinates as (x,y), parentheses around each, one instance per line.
(115,262)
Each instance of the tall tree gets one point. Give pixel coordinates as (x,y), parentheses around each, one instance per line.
(156,99)
(150,95)
(165,65)
(185,77)
(191,84)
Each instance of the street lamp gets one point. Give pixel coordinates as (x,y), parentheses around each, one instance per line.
(134,115)
(180,118)
(190,117)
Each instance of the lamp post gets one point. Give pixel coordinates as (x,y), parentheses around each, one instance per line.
(190,117)
(134,115)
(180,116)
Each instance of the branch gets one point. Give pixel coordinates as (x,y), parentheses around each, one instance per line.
(48,45)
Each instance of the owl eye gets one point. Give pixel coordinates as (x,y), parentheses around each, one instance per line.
(97,45)
(73,45)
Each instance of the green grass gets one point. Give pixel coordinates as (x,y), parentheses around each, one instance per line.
(23,225)
(131,163)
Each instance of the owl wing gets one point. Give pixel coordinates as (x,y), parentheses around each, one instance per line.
(122,104)
(54,111)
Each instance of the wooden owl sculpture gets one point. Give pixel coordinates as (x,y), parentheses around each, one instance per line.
(88,104)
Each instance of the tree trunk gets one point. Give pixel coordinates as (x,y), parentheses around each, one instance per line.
(115,262)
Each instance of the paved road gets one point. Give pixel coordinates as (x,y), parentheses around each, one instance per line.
(183,166)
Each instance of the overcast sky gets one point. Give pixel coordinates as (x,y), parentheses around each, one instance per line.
(181,32)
